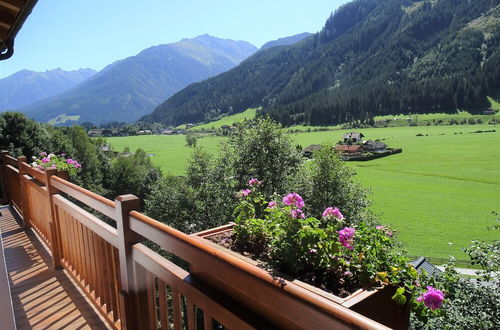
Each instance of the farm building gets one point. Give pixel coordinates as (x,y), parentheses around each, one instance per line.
(374,146)
(353,137)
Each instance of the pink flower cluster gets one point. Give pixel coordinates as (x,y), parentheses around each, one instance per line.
(73,162)
(432,298)
(271,205)
(331,212)
(254,182)
(293,200)
(346,237)
(385,229)
(297,213)
(243,193)
(297,203)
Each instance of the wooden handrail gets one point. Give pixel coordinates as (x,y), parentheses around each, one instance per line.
(95,201)
(10,160)
(123,277)
(95,224)
(34,172)
(180,279)
(194,250)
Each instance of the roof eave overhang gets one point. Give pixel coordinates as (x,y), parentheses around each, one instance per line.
(13,14)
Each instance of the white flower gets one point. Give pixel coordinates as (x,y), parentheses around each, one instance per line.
(34,164)
(51,155)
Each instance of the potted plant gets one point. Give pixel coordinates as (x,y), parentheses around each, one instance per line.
(65,166)
(356,265)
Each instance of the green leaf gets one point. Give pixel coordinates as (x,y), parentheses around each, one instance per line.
(399,297)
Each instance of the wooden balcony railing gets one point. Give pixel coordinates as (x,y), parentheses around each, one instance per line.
(134,287)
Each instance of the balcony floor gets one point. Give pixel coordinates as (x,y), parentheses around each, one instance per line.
(43,298)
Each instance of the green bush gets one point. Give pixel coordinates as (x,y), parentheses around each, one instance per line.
(327,181)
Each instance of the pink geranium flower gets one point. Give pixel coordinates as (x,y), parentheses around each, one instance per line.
(297,213)
(346,237)
(432,298)
(271,205)
(45,160)
(253,182)
(244,193)
(331,212)
(294,200)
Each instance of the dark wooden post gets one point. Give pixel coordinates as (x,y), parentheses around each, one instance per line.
(126,239)
(5,191)
(24,192)
(55,233)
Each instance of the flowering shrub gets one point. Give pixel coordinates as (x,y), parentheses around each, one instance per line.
(323,252)
(59,162)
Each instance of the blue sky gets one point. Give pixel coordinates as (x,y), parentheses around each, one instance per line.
(73,34)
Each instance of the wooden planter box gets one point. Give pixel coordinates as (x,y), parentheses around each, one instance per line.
(374,303)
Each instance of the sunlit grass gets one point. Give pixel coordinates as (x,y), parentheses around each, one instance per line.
(438,194)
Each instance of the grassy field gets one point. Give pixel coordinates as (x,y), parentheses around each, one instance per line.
(227,120)
(402,120)
(170,152)
(439,193)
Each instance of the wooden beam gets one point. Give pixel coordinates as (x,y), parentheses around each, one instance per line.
(3,33)
(13,4)
(7,18)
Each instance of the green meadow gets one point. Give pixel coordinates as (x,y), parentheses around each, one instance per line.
(438,194)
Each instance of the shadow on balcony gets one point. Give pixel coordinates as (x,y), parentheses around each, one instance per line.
(41,296)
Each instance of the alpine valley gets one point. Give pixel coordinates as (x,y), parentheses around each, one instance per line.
(372,57)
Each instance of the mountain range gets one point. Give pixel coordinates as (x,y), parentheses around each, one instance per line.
(132,87)
(371,57)
(26,87)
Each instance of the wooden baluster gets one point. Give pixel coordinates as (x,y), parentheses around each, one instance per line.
(163,305)
(176,297)
(126,239)
(5,191)
(191,315)
(54,221)
(24,192)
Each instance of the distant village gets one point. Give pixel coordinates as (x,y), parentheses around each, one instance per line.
(353,147)
(130,130)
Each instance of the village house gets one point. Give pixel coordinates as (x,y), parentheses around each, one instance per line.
(353,137)
(94,133)
(489,112)
(374,146)
(347,149)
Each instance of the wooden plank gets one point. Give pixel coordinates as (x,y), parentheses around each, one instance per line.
(163,305)
(150,287)
(116,281)
(80,253)
(89,260)
(107,276)
(15,5)
(251,285)
(141,297)
(208,321)
(9,160)
(44,298)
(177,309)
(176,277)
(95,201)
(191,319)
(95,224)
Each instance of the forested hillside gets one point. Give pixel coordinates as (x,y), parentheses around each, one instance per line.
(372,57)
